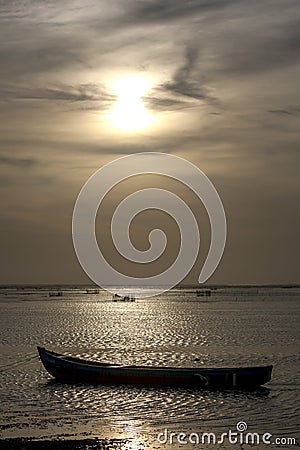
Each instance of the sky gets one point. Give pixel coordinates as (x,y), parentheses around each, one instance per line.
(215,82)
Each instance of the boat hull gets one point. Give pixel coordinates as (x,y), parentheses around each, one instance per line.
(69,369)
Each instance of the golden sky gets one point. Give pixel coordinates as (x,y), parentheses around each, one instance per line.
(215,82)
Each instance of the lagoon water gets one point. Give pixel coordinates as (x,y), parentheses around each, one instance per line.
(233,327)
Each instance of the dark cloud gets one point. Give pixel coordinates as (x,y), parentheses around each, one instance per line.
(249,37)
(40,56)
(183,83)
(18,162)
(79,93)
(184,89)
(267,50)
(158,103)
(170,10)
(289,111)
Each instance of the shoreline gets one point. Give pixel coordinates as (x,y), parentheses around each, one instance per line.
(63,444)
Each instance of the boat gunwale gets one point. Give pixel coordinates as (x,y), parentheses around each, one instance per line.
(97,364)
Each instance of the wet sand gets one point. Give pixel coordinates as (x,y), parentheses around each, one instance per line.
(113,444)
(38,412)
(99,444)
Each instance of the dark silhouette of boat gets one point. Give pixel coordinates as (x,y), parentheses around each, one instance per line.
(56,294)
(203,293)
(125,298)
(92,291)
(70,369)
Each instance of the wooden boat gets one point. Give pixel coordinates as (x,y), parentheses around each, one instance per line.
(56,294)
(126,298)
(204,293)
(70,369)
(92,291)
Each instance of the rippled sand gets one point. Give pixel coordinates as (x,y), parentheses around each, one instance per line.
(178,329)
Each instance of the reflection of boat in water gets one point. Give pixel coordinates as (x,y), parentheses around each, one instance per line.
(56,294)
(125,298)
(67,368)
(204,293)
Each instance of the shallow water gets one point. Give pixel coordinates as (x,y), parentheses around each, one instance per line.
(233,327)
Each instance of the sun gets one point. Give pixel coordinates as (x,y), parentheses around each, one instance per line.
(129,112)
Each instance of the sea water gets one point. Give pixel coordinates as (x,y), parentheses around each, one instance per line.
(235,326)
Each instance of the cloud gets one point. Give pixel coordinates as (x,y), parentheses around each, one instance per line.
(205,57)
(79,93)
(182,82)
(18,162)
(289,111)
(184,90)
(244,42)
(170,10)
(156,102)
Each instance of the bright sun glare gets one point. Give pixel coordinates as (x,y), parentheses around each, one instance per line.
(129,112)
